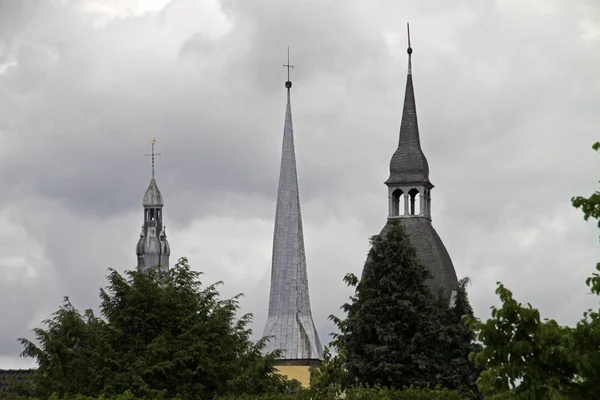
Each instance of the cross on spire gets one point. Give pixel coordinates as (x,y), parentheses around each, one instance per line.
(153,154)
(288,83)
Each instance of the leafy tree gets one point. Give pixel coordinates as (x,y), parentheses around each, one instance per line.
(398,333)
(161,336)
(530,358)
(330,377)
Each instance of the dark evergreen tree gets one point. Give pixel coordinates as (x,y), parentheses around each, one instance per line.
(161,335)
(397,332)
(456,341)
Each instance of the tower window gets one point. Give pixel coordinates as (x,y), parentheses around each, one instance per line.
(397,202)
(415,206)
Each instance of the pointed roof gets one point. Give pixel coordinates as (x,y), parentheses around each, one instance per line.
(290,320)
(153,197)
(409,164)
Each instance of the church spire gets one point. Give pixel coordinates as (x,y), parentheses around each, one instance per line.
(409,184)
(153,248)
(290,325)
(409,195)
(409,164)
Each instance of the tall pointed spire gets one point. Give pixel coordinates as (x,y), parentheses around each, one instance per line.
(409,164)
(409,195)
(290,324)
(153,248)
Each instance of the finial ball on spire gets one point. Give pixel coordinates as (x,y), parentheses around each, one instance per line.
(409,50)
(288,84)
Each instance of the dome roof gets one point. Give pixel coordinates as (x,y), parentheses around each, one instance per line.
(431,251)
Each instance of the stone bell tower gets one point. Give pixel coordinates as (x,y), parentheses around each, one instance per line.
(153,248)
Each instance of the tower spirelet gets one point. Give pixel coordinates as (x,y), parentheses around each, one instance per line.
(290,324)
(153,248)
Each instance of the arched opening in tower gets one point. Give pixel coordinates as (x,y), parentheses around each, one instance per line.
(415,202)
(397,202)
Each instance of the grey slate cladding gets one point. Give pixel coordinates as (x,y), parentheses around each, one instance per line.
(409,169)
(290,323)
(10,376)
(431,252)
(409,164)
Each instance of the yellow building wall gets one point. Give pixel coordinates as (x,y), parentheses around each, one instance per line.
(299,372)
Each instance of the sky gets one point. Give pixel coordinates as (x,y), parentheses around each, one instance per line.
(507,98)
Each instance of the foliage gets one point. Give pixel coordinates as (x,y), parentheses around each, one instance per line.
(359,393)
(161,335)
(362,393)
(527,357)
(398,333)
(331,376)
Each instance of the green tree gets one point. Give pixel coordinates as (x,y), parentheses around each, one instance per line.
(529,358)
(398,333)
(159,336)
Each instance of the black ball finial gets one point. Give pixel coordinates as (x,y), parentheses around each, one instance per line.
(288,84)
(409,50)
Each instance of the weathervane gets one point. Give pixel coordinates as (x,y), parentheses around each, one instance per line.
(288,84)
(153,154)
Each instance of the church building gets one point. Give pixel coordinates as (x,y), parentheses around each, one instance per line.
(290,325)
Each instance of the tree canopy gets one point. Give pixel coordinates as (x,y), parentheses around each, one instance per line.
(397,332)
(159,335)
(527,357)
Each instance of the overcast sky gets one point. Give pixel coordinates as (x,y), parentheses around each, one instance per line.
(507,97)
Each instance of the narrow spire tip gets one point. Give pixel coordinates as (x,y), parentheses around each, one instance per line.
(288,83)
(409,50)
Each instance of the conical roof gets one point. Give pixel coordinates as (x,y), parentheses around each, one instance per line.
(153,197)
(409,164)
(290,324)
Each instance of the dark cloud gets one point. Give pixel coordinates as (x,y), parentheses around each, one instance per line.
(506,97)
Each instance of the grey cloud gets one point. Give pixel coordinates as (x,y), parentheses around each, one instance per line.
(506,97)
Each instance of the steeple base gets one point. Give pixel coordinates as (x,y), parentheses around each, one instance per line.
(300,370)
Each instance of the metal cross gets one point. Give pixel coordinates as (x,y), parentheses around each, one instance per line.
(153,154)
(288,65)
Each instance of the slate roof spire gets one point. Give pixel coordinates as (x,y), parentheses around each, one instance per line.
(153,248)
(409,196)
(409,164)
(290,324)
